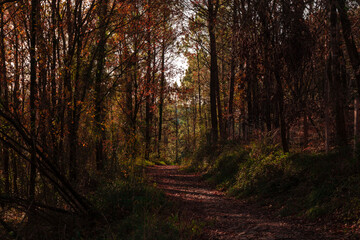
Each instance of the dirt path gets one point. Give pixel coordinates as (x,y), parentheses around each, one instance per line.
(229,218)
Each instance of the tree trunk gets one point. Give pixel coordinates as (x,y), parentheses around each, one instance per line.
(327,104)
(337,86)
(188,141)
(249,97)
(220,115)
(306,130)
(16,95)
(33,93)
(283,126)
(356,126)
(4,96)
(148,113)
(53,109)
(194,119)
(267,71)
(99,98)
(230,123)
(73,118)
(349,40)
(176,132)
(15,175)
(162,89)
(199,89)
(214,76)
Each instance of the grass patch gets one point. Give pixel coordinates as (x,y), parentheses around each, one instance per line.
(135,210)
(129,207)
(312,185)
(226,167)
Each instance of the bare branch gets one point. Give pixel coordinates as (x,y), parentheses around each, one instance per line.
(6,1)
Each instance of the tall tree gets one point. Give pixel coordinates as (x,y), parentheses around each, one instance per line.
(4,95)
(99,78)
(214,72)
(33,92)
(336,79)
(349,40)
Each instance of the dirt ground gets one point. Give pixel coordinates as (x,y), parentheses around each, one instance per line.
(230,218)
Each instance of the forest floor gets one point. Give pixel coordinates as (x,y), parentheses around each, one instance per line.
(224,217)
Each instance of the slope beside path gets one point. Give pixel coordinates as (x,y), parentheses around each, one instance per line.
(229,218)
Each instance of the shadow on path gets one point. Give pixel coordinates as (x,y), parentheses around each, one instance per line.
(230,218)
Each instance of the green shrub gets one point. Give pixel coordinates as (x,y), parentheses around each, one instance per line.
(123,197)
(137,210)
(226,167)
(306,184)
(264,173)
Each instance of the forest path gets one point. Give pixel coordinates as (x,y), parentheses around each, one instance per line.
(229,218)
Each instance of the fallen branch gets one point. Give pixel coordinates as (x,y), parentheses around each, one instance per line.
(25,203)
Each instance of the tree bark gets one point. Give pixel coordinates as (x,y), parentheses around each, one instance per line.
(4,100)
(327,104)
(54,102)
(199,87)
(176,132)
(231,126)
(148,113)
(162,89)
(349,41)
(194,121)
(99,98)
(219,111)
(283,126)
(356,126)
(306,130)
(337,86)
(214,75)
(33,93)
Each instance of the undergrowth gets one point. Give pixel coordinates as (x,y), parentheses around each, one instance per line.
(129,206)
(138,211)
(133,208)
(312,185)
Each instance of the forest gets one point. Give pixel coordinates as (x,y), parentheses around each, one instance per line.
(169,119)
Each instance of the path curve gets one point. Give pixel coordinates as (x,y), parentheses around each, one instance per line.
(229,218)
